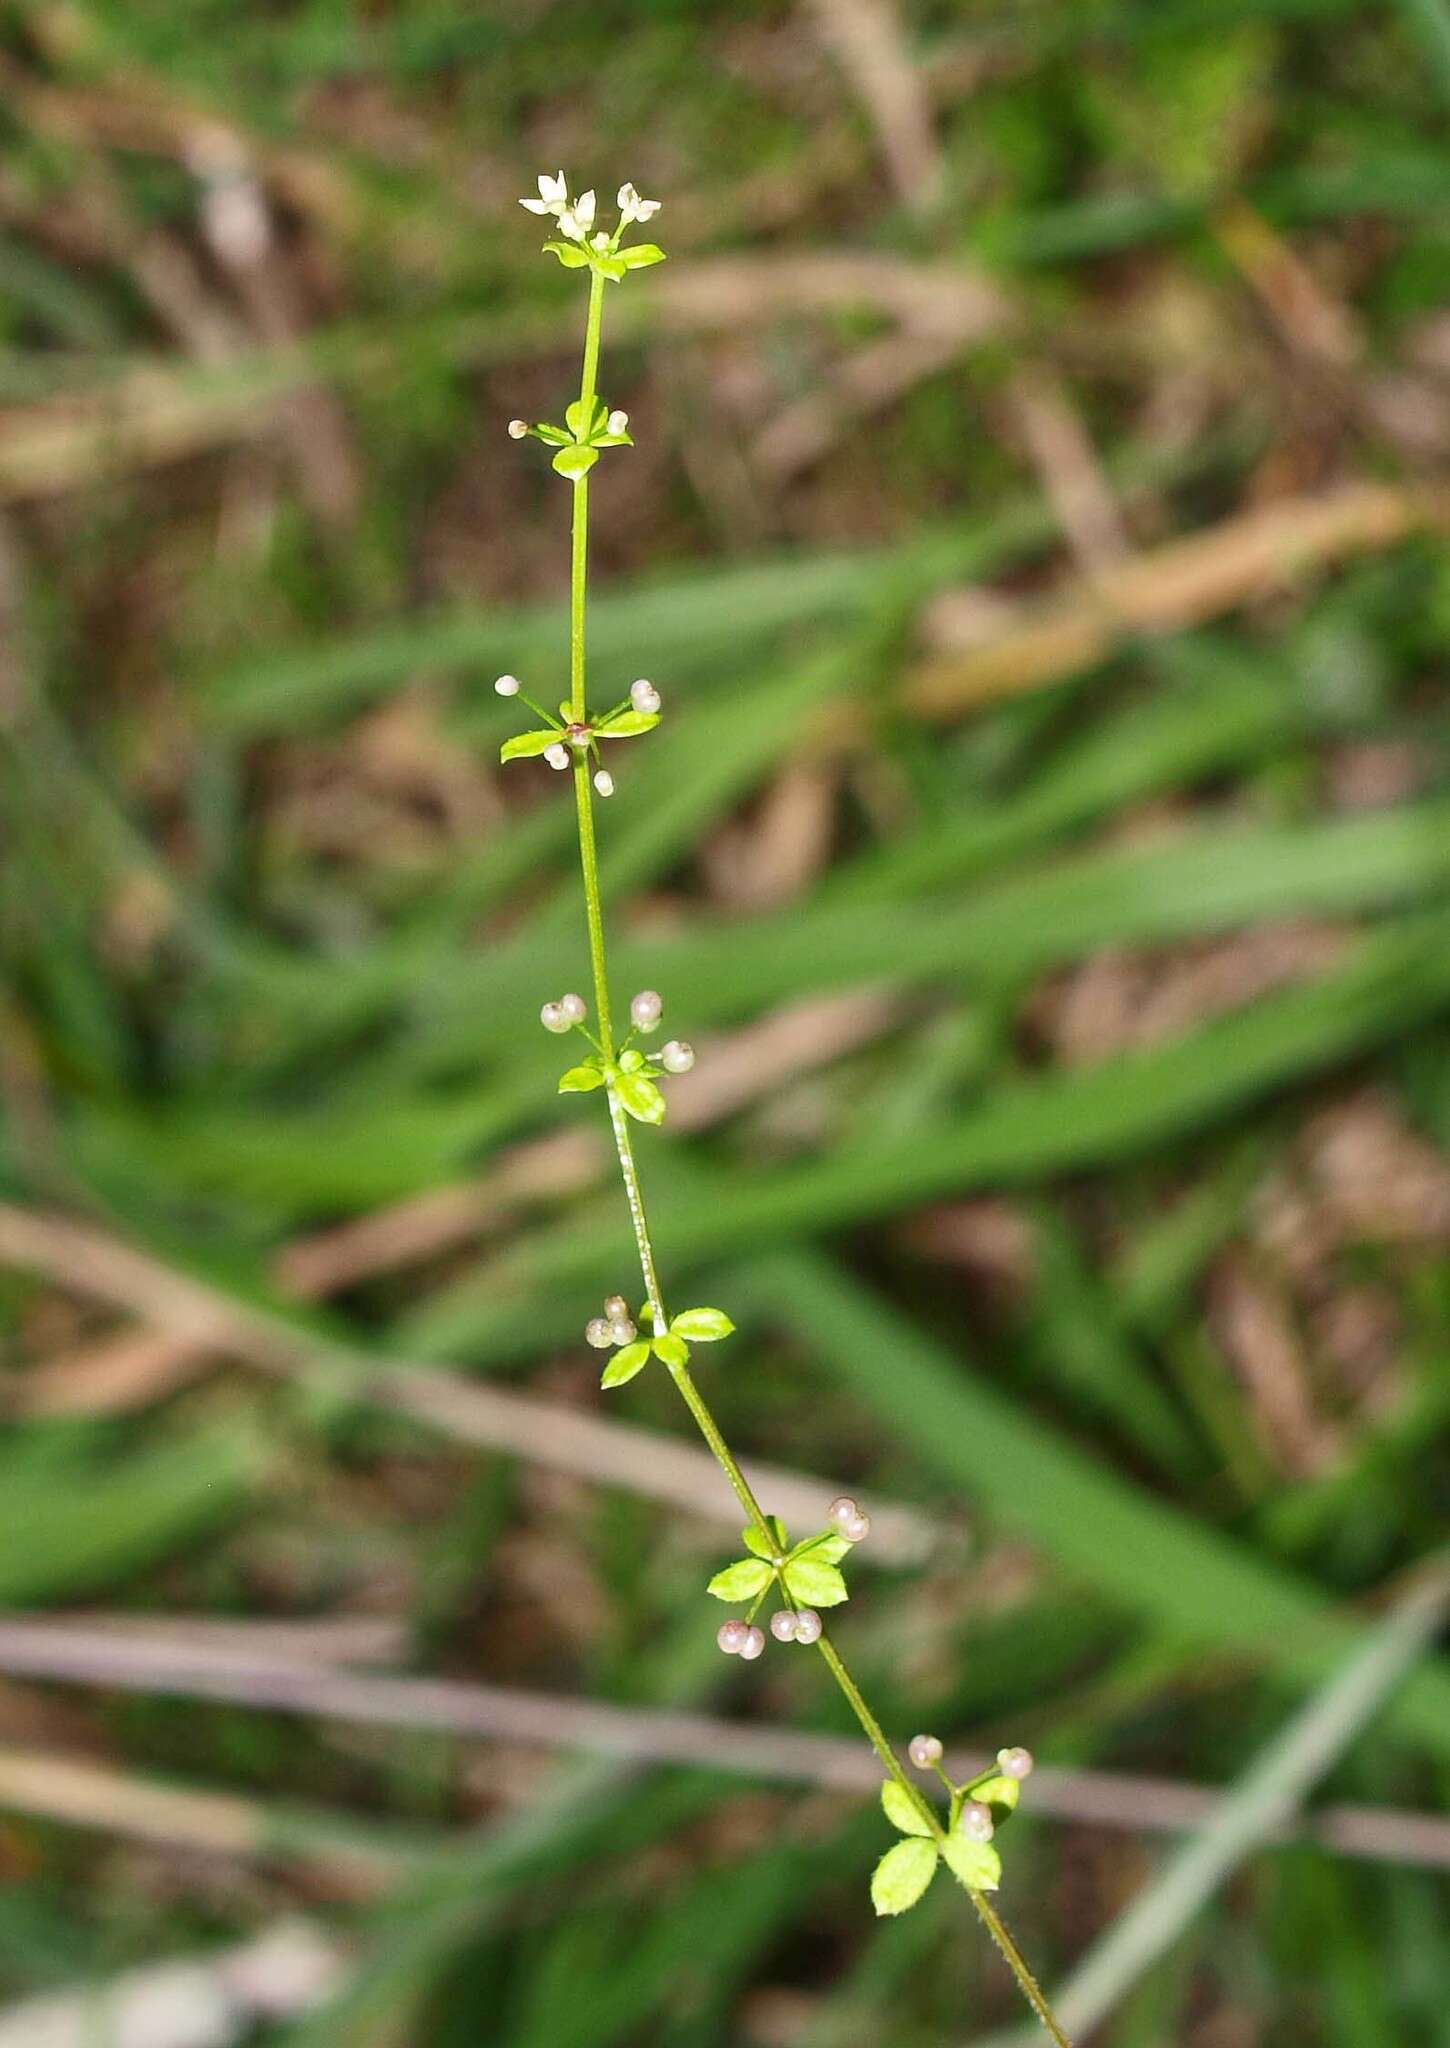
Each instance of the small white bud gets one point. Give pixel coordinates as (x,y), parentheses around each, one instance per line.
(646,1009)
(617,422)
(731,1637)
(677,1057)
(924,1751)
(782,1625)
(1015,1763)
(518,429)
(754,1643)
(807,1625)
(601,240)
(616,1308)
(976,1821)
(855,1528)
(842,1509)
(557,756)
(604,782)
(622,1330)
(552,1017)
(507,686)
(644,696)
(598,1333)
(574,1008)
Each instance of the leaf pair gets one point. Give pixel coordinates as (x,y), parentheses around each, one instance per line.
(610,263)
(699,1325)
(907,1868)
(807,1574)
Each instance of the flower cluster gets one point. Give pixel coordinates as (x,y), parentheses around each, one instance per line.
(671,1345)
(628,1074)
(565,739)
(978,1808)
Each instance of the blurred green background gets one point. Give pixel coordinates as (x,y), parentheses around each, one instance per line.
(1036,532)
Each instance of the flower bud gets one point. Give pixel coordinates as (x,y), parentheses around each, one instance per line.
(807,1625)
(754,1643)
(507,686)
(574,1008)
(604,782)
(644,696)
(552,1017)
(598,1333)
(976,1821)
(646,1009)
(1015,1763)
(615,1308)
(617,422)
(622,1330)
(842,1509)
(518,429)
(731,1637)
(924,1751)
(557,756)
(677,1057)
(782,1625)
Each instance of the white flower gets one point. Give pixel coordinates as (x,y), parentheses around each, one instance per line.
(632,207)
(617,422)
(601,240)
(578,219)
(553,195)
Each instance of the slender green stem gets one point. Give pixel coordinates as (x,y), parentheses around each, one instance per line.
(629,1172)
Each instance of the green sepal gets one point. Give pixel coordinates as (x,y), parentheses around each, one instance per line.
(569,254)
(1001,1794)
(641,1098)
(545,430)
(902,1875)
(583,420)
(625,724)
(902,1811)
(579,1080)
(625,1364)
(814,1584)
(670,1351)
(523,744)
(976,1864)
(640,255)
(575,461)
(754,1541)
(741,1580)
(702,1325)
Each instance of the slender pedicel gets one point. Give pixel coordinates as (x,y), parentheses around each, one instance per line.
(806,1575)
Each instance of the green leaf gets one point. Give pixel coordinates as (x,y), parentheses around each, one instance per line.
(625,1364)
(815,1584)
(641,1098)
(579,1080)
(584,418)
(977,1864)
(555,436)
(569,254)
(612,267)
(670,1351)
(828,1548)
(742,1580)
(702,1325)
(525,743)
(753,1540)
(613,440)
(902,1875)
(625,724)
(640,255)
(902,1811)
(1004,1792)
(575,461)
(630,1062)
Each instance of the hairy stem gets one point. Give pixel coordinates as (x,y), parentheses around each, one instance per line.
(684,1380)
